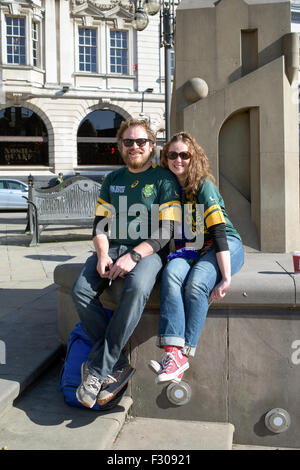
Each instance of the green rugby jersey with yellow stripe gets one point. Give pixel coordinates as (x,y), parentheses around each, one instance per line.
(214,212)
(122,190)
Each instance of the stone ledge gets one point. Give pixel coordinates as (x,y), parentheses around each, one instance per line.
(266,279)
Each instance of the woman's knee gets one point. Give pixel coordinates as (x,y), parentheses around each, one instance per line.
(174,275)
(197,289)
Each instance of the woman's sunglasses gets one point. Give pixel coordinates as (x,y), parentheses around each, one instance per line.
(182,155)
(139,142)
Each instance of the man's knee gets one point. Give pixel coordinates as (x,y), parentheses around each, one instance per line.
(81,289)
(76,291)
(139,287)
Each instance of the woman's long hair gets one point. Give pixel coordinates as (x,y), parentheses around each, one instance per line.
(199,167)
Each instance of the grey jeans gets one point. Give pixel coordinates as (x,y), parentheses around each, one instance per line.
(109,334)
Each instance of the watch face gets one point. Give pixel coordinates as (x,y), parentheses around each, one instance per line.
(135,256)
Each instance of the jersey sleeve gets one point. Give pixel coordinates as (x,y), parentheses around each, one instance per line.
(209,196)
(103,206)
(169,200)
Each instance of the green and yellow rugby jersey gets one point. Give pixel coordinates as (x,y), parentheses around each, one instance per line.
(213,213)
(135,202)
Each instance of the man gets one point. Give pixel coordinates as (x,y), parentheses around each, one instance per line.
(60,178)
(129,252)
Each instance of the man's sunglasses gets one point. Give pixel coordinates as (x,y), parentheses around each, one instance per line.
(139,142)
(182,155)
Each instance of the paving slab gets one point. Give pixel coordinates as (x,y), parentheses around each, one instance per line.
(170,434)
(29,337)
(41,420)
(16,295)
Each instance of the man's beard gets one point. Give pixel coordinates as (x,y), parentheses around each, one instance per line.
(136,163)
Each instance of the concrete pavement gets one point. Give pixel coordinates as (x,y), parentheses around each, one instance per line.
(33,414)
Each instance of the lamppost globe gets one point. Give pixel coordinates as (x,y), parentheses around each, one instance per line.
(141,20)
(152,6)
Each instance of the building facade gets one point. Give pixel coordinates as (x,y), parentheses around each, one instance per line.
(71,71)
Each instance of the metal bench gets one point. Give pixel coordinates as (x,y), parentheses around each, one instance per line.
(72,202)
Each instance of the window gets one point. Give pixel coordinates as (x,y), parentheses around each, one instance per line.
(15,40)
(23,138)
(35,44)
(118,52)
(96,139)
(87,50)
(16,185)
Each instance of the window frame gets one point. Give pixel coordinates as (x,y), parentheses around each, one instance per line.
(38,43)
(13,17)
(109,55)
(97,47)
(29,20)
(103,65)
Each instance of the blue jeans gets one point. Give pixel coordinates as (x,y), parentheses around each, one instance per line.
(185,290)
(109,335)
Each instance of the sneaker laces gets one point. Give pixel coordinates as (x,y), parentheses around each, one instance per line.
(108,379)
(92,381)
(167,361)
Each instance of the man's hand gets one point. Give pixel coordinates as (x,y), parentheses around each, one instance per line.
(121,267)
(104,264)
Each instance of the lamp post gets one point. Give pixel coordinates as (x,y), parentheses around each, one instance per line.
(167,30)
(148,90)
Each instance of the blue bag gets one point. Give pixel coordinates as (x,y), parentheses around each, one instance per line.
(78,349)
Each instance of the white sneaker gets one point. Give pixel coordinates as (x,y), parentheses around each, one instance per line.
(174,364)
(89,388)
(155,366)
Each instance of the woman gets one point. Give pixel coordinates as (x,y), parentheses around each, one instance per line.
(192,276)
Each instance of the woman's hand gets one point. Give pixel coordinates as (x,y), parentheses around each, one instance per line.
(220,289)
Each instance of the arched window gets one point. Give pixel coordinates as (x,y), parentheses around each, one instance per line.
(96,139)
(23,138)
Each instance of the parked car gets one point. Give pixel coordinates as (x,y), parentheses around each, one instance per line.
(11,194)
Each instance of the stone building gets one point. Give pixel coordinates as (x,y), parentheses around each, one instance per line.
(71,71)
(236,90)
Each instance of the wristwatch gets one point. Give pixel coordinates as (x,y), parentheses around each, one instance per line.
(135,256)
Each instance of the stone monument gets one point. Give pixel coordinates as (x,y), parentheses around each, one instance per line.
(236,90)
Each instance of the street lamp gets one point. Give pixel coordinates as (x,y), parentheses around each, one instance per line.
(167,30)
(152,6)
(140,20)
